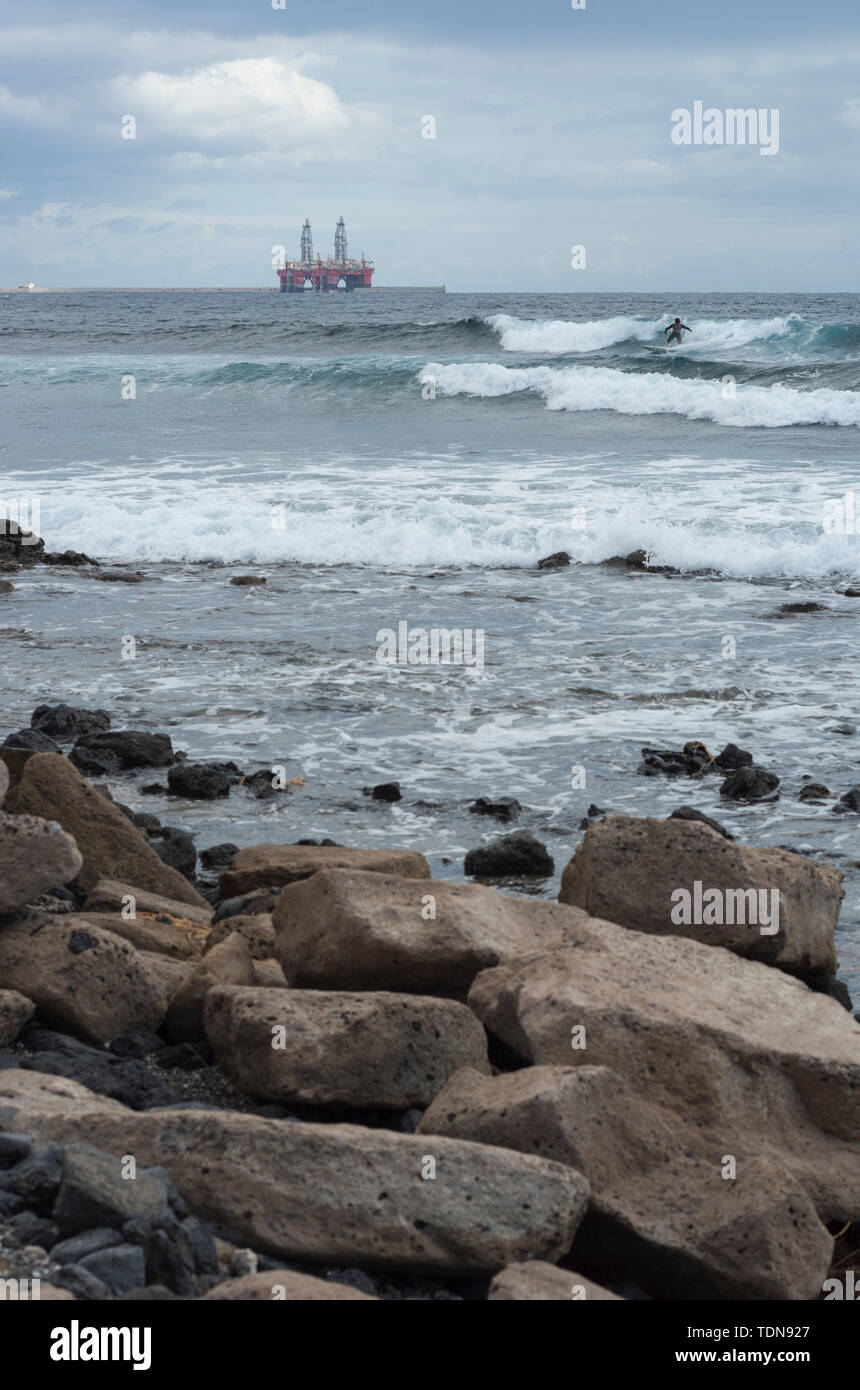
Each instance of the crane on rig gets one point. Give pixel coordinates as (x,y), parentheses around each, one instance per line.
(337,272)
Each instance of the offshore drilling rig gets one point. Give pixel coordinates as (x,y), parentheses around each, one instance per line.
(338,272)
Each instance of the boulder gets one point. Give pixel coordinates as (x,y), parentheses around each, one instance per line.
(393,1051)
(256,928)
(15,1011)
(758,1062)
(35,855)
(343,929)
(558,560)
(110,845)
(83,980)
(750,784)
(4,782)
(633,872)
(146,933)
(262,866)
(536,1281)
(518,855)
(269,975)
(228,963)
(327,1193)
(129,747)
(660,1208)
(284,1284)
(33,739)
(504,808)
(202,781)
(109,895)
(386,791)
(96,1192)
(66,722)
(175,848)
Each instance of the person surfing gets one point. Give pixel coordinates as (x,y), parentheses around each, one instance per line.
(674,332)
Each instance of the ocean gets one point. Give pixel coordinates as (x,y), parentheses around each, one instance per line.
(385,458)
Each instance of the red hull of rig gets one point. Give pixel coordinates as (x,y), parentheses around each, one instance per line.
(338,272)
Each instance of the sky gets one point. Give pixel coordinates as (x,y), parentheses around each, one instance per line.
(553,130)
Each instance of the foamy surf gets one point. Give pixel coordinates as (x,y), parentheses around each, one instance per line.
(649,393)
(560,336)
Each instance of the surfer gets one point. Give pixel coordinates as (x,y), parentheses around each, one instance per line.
(674,331)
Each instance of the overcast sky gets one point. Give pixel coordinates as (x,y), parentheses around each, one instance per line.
(552,131)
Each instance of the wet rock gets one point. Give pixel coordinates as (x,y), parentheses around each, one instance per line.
(385,791)
(852,592)
(218,856)
(264,866)
(19,543)
(814,791)
(111,847)
(67,557)
(118,576)
(733,757)
(33,739)
(690,813)
(202,781)
(15,1011)
(244,580)
(632,871)
(86,982)
(378,1049)
(556,561)
(504,808)
(131,747)
(67,721)
(176,848)
(350,930)
(750,784)
(849,801)
(513,855)
(35,854)
(790,610)
(592,814)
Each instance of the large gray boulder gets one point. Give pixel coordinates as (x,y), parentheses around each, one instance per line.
(682,878)
(344,929)
(319,1047)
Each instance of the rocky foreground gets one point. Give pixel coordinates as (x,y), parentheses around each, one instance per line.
(329,1076)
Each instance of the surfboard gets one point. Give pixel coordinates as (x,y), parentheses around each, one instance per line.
(664,348)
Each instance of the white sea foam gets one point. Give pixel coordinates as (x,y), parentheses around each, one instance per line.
(558,336)
(650,393)
(708,516)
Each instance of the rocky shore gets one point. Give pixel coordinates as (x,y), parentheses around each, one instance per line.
(311,1071)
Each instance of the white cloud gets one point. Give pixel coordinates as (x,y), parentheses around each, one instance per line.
(248,104)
